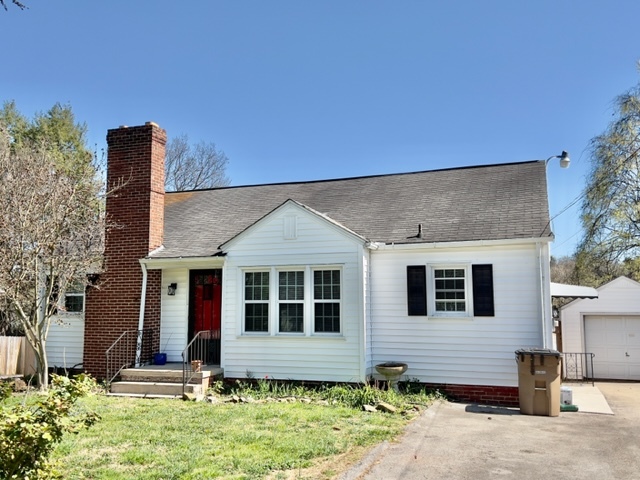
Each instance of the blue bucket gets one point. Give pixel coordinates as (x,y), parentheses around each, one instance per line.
(159,358)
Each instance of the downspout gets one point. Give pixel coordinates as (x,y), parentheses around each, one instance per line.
(143,301)
(543,295)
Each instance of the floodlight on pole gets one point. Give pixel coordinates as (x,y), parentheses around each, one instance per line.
(564,159)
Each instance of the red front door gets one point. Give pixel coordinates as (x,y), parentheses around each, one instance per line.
(205,300)
(206,288)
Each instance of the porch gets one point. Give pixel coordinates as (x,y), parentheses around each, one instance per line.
(163,381)
(130,370)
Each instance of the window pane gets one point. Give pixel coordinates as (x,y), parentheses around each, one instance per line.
(256,285)
(291,317)
(256,317)
(327,317)
(326,284)
(74,303)
(291,286)
(450,289)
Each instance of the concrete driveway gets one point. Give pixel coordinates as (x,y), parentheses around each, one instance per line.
(458,442)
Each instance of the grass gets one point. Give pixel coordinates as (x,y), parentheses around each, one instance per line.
(168,439)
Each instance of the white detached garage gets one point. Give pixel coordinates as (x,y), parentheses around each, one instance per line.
(608,327)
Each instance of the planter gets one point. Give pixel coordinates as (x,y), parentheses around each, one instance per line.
(196,365)
(159,358)
(392,371)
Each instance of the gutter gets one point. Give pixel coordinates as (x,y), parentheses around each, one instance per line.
(462,244)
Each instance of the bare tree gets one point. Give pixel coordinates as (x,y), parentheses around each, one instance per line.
(563,270)
(51,226)
(17,3)
(190,167)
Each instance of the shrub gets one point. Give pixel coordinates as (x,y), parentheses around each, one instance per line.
(30,430)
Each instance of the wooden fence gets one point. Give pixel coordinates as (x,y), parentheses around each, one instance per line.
(16,356)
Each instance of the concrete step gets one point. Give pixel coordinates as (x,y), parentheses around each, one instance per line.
(168,375)
(155,388)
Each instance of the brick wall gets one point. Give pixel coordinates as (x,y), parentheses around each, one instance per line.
(135,172)
(483,394)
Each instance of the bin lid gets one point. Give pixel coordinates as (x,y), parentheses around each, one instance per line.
(545,352)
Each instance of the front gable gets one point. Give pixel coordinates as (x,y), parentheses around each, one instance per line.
(293,227)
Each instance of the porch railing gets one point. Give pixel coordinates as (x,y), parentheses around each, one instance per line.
(578,366)
(205,348)
(133,347)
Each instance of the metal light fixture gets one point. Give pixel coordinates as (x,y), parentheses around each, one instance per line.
(172,289)
(564,159)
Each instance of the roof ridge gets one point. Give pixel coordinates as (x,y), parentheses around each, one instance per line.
(380,175)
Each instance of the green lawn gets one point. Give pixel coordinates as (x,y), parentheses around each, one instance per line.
(171,439)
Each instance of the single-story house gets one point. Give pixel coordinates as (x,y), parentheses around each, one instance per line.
(608,327)
(445,270)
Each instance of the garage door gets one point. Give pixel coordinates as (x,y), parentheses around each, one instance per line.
(615,341)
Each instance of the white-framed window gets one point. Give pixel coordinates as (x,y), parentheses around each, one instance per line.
(306,300)
(256,301)
(450,287)
(291,301)
(326,301)
(72,302)
(450,290)
(74,298)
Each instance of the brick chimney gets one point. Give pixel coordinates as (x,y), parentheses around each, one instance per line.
(135,174)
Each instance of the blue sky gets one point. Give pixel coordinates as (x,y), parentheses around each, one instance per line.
(300,90)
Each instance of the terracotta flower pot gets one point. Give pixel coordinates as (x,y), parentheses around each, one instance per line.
(196,365)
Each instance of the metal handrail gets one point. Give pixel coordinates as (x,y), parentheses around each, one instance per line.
(132,347)
(198,349)
(578,366)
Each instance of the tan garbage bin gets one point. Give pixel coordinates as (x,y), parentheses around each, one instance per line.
(539,381)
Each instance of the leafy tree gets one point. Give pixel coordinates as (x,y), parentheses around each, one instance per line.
(611,205)
(51,224)
(190,167)
(30,431)
(57,129)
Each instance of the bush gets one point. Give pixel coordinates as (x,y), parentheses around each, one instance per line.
(29,431)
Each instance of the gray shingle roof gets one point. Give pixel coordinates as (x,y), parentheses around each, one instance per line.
(494,202)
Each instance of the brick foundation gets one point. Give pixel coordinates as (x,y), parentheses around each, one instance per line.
(135,173)
(484,394)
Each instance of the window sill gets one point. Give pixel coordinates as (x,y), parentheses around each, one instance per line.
(290,337)
(450,318)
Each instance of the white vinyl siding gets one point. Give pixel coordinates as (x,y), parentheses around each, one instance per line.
(318,245)
(174,321)
(458,349)
(65,342)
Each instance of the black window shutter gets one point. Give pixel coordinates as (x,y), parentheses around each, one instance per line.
(483,290)
(417,289)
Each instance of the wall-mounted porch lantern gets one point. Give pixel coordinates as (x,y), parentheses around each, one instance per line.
(171,290)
